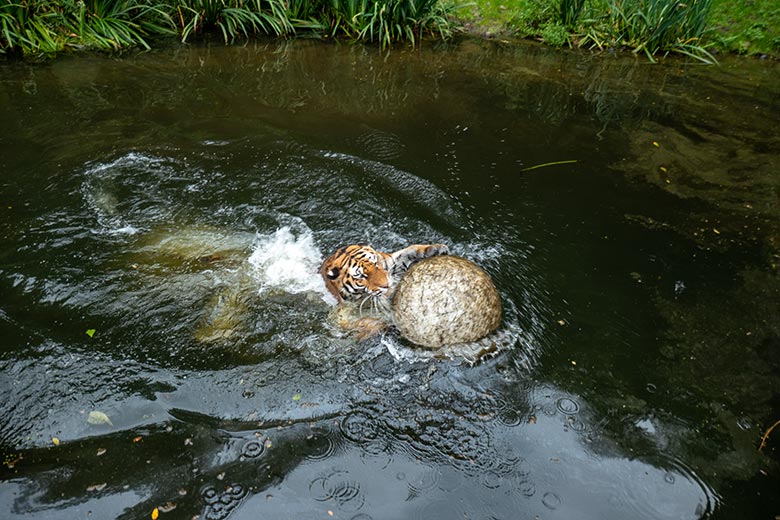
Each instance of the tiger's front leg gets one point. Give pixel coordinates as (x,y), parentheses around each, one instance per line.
(402,260)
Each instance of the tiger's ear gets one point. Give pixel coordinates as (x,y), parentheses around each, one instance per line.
(333,273)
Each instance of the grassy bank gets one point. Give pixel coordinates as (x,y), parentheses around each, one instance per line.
(652,28)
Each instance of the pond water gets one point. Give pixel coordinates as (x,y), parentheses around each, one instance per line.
(167,343)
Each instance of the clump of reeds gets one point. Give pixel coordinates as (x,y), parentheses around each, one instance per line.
(232,18)
(653,27)
(41,27)
(569,11)
(45,27)
(385,21)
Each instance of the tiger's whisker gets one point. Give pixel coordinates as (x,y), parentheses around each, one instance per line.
(362,302)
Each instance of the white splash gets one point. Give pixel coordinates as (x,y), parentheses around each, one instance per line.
(285,261)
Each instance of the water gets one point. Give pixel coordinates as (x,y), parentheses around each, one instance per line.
(178,203)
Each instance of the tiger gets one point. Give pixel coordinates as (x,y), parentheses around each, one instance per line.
(359,272)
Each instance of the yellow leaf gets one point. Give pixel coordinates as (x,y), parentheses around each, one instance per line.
(155,513)
(663,169)
(715,230)
(90,332)
(655,143)
(96,417)
(297,397)
(56,441)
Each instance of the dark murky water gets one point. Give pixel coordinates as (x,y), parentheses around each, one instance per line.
(178,204)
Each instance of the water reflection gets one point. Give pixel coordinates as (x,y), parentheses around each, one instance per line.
(178,204)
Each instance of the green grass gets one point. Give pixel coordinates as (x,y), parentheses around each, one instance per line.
(650,27)
(746,26)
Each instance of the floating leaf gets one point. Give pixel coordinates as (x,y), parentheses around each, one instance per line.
(297,397)
(715,230)
(97,487)
(655,143)
(56,441)
(556,163)
(138,438)
(167,507)
(155,513)
(101,451)
(90,332)
(96,417)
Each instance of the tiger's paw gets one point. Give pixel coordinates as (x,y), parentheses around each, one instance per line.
(436,250)
(367,328)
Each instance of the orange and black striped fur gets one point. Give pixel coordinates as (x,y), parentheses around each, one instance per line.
(359,271)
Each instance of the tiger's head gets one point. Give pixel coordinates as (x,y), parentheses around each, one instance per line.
(356,272)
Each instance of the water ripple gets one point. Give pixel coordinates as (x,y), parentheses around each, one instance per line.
(335,486)
(359,427)
(218,505)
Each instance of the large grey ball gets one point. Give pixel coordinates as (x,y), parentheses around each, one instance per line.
(444,300)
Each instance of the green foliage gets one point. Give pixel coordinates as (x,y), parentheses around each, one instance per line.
(569,11)
(42,27)
(649,27)
(531,16)
(555,34)
(113,24)
(232,18)
(385,21)
(31,26)
(658,26)
(747,26)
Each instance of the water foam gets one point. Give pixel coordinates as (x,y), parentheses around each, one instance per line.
(100,186)
(290,261)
